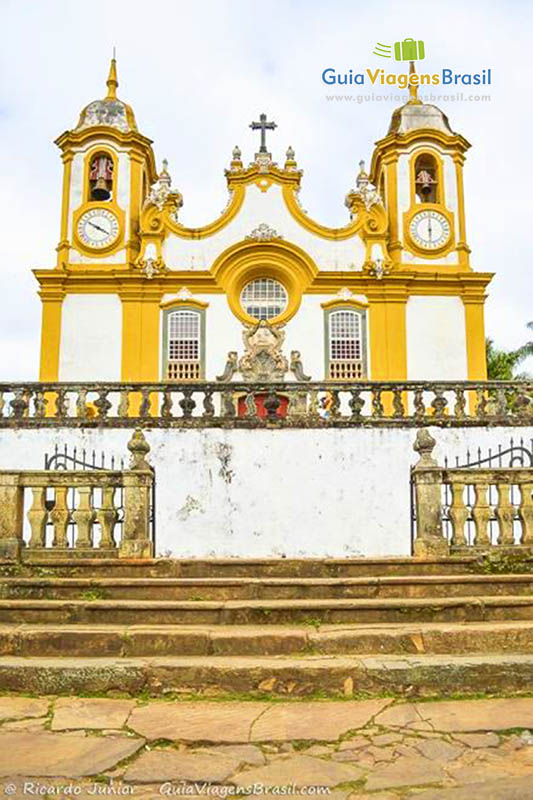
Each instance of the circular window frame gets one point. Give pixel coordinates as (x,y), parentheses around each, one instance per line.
(264,278)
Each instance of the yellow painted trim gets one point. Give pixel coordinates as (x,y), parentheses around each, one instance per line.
(140,339)
(462,246)
(475,339)
(63,246)
(50,338)
(438,252)
(100,252)
(338,302)
(421,151)
(245,261)
(301,217)
(89,155)
(192,302)
(388,338)
(152,219)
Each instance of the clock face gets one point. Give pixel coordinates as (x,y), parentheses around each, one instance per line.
(429,229)
(98,228)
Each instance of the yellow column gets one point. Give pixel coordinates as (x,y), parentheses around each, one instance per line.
(462,247)
(136,171)
(475,338)
(50,336)
(388,338)
(140,338)
(391,165)
(63,246)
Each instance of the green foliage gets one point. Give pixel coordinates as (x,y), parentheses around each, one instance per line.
(502,364)
(505,562)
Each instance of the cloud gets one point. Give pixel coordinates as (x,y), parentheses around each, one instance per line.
(197,74)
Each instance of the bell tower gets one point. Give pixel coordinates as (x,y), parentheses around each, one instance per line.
(418,168)
(108,167)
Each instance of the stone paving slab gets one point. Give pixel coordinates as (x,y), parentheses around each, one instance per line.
(323,721)
(462,715)
(169,765)
(90,712)
(64,755)
(19,707)
(210,722)
(300,770)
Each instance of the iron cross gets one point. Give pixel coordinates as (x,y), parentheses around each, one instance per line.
(263,126)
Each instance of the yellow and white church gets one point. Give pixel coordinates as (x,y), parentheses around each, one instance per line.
(137,296)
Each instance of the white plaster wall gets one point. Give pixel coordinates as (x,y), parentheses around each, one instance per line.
(436,339)
(268,207)
(239,493)
(305,332)
(91,338)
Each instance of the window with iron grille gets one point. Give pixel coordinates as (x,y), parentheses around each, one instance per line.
(184,345)
(345,344)
(264,298)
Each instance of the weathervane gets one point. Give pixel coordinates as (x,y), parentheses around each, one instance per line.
(263,126)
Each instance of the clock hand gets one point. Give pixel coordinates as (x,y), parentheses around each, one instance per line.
(98,228)
(429,229)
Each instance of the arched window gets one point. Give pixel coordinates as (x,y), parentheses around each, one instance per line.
(101,177)
(264,298)
(427,179)
(184,344)
(345,344)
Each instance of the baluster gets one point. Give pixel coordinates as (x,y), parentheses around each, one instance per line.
(61,409)
(107,517)
(356,405)
(297,404)
(501,405)
(19,404)
(460,403)
(39,404)
(271,403)
(228,405)
(439,403)
(377,405)
(420,408)
(458,515)
(166,406)
(523,405)
(335,404)
(481,514)
(505,514)
(146,403)
(525,512)
(60,516)
(481,403)
(83,517)
(209,408)
(2,404)
(81,403)
(397,403)
(313,403)
(187,404)
(102,403)
(249,405)
(123,404)
(37,517)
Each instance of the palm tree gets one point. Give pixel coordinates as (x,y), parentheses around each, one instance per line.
(501,364)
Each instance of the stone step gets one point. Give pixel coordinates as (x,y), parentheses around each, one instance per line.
(239,588)
(268,612)
(427,675)
(50,565)
(127,641)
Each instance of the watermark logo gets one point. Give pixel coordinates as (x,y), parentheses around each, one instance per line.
(408,50)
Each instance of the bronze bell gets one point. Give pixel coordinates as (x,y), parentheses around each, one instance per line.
(425,182)
(100,190)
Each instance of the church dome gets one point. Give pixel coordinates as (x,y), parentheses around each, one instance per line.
(414,115)
(110,111)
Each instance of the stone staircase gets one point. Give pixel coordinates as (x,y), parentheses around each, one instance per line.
(282,627)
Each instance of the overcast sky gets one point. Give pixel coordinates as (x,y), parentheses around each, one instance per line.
(197,73)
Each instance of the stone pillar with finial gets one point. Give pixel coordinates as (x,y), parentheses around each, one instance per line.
(138,480)
(427,475)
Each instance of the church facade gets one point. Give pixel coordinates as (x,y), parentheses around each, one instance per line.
(136,295)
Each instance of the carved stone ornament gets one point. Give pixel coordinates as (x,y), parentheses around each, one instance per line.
(423,445)
(344,293)
(264,233)
(110,112)
(264,161)
(160,192)
(297,367)
(365,190)
(263,360)
(230,369)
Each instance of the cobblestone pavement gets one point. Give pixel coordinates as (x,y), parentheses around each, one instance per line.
(382,748)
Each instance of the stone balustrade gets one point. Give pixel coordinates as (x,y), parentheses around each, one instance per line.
(474,508)
(296,404)
(66,505)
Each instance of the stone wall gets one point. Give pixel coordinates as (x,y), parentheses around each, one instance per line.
(259,493)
